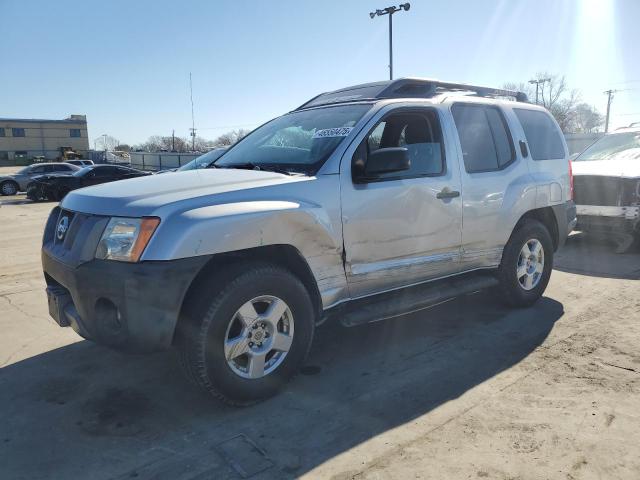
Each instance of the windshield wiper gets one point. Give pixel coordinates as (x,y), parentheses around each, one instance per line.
(263,167)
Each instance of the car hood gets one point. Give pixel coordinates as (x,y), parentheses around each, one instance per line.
(625,164)
(157,194)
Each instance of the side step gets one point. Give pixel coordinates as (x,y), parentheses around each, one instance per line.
(412,299)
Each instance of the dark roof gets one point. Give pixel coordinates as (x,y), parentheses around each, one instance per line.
(406,88)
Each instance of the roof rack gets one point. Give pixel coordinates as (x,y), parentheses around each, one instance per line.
(406,88)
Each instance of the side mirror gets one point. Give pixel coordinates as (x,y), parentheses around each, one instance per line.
(387,160)
(367,168)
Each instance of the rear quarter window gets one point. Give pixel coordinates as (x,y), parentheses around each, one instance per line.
(542,134)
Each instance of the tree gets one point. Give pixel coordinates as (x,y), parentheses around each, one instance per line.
(157,143)
(123,147)
(229,138)
(586,119)
(563,103)
(105,142)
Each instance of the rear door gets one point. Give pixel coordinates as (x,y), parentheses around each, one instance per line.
(400,229)
(495,179)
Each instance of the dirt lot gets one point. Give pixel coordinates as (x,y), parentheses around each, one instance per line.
(465,390)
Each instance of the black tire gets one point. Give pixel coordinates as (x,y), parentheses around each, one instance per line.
(9,187)
(34,193)
(510,290)
(204,326)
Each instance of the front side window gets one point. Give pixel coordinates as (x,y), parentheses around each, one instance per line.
(17,132)
(617,146)
(419,133)
(541,133)
(74,132)
(484,137)
(300,141)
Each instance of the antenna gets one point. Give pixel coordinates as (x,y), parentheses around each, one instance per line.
(193,121)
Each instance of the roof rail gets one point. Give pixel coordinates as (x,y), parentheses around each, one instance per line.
(406,88)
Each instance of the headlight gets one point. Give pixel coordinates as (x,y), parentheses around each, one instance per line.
(125,239)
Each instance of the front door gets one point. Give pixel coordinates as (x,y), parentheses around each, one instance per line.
(402,227)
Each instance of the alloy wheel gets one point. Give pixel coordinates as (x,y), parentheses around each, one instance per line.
(530,264)
(258,337)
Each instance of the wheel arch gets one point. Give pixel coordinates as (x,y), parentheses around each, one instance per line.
(217,268)
(547,217)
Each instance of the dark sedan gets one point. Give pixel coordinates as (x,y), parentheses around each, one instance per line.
(55,187)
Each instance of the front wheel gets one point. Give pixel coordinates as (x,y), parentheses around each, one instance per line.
(9,188)
(526,264)
(243,340)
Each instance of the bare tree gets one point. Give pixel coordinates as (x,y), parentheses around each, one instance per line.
(229,138)
(157,143)
(106,142)
(555,95)
(586,119)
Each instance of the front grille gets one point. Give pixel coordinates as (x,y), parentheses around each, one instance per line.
(605,191)
(77,244)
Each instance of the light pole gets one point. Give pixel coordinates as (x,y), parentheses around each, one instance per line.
(390,11)
(537,83)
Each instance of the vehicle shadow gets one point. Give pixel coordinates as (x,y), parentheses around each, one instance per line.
(19,201)
(83,411)
(596,256)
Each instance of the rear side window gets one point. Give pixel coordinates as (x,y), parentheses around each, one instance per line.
(542,134)
(484,137)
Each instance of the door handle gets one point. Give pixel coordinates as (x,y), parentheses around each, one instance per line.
(446,192)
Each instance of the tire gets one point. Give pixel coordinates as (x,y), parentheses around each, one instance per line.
(34,193)
(9,188)
(522,291)
(213,318)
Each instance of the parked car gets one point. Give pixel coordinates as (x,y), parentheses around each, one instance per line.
(203,161)
(80,163)
(350,207)
(18,182)
(55,187)
(607,187)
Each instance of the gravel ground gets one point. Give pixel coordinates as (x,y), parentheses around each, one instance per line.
(465,390)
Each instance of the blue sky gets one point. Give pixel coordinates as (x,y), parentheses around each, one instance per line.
(126,63)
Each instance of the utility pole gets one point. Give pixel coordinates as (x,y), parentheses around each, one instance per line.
(390,11)
(538,82)
(609,94)
(173,140)
(193,122)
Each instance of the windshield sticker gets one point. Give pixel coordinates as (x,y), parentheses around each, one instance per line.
(333,132)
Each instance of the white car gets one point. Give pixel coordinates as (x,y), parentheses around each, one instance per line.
(607,187)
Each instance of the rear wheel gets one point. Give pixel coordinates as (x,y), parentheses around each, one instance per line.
(243,340)
(526,264)
(9,188)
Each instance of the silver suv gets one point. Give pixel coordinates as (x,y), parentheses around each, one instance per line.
(362,204)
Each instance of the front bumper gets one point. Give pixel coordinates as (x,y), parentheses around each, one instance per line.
(607,219)
(129,306)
